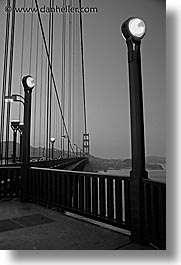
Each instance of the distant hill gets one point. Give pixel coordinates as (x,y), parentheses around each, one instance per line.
(34,151)
(156,159)
(99,164)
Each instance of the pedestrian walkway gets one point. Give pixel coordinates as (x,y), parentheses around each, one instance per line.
(29,226)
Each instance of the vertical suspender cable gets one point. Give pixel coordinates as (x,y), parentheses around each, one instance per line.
(10,79)
(45,106)
(73,77)
(53,78)
(31,40)
(63,73)
(83,70)
(70,72)
(51,60)
(40,117)
(4,81)
(36,78)
(48,91)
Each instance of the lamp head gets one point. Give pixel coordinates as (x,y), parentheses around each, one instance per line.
(28,82)
(52,140)
(15,125)
(134,28)
(21,127)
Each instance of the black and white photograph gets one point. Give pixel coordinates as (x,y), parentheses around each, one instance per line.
(83,125)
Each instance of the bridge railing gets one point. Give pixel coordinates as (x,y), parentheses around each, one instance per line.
(10,182)
(100,197)
(56,163)
(155,213)
(10,176)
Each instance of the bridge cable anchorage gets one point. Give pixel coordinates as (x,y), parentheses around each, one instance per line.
(51,70)
(83,68)
(6,45)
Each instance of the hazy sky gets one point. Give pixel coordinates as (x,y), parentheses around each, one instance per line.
(106,73)
(107,76)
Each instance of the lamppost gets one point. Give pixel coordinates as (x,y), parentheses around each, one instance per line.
(76,152)
(28,84)
(14,127)
(52,140)
(133,30)
(65,137)
(14,98)
(21,129)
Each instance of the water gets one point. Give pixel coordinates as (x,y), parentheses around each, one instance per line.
(156,175)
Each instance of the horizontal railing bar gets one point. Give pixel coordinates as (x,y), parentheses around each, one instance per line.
(81,173)
(82,213)
(156,182)
(10,167)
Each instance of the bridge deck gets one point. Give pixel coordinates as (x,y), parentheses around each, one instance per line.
(29,226)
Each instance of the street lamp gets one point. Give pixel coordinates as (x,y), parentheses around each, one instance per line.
(28,85)
(65,137)
(52,140)
(133,30)
(14,127)
(76,152)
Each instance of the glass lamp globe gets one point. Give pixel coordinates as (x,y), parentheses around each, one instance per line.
(137,27)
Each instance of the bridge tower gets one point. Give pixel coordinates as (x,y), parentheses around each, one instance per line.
(86,148)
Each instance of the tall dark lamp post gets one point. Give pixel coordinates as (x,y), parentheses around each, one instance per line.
(68,144)
(28,84)
(52,140)
(133,31)
(15,127)
(76,152)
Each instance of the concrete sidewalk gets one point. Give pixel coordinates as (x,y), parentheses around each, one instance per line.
(29,226)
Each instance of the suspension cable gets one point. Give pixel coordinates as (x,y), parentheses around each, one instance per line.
(70,72)
(48,92)
(10,79)
(4,81)
(31,39)
(83,69)
(41,87)
(36,78)
(63,73)
(51,70)
(51,61)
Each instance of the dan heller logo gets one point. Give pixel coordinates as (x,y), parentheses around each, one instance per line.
(56,9)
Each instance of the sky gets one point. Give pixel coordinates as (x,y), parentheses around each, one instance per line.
(107,76)
(106,73)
